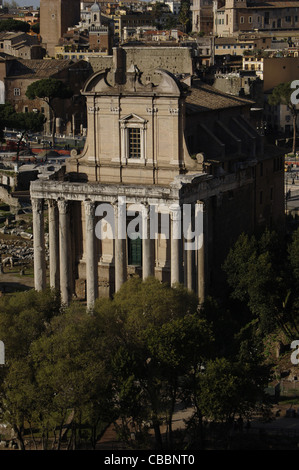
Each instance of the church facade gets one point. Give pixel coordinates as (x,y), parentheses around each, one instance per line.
(170,175)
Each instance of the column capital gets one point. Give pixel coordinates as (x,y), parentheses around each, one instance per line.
(62,206)
(201,203)
(89,207)
(145,210)
(175,212)
(37,204)
(52,202)
(52,206)
(176,219)
(115,204)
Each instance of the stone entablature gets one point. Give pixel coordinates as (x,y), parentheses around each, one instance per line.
(184,188)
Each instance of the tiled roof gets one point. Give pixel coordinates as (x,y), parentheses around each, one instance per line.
(10,34)
(37,68)
(204,97)
(226,40)
(272,4)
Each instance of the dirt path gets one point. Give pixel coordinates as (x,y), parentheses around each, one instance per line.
(13,282)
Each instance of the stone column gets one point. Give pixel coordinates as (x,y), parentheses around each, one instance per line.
(119,250)
(53,243)
(64,264)
(147,245)
(175,241)
(90,253)
(201,274)
(39,244)
(188,257)
(189,268)
(201,259)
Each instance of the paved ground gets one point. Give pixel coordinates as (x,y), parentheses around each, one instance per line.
(279,424)
(11,281)
(292,189)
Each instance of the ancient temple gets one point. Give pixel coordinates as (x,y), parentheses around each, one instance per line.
(180,157)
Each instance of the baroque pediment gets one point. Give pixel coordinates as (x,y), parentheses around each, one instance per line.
(132,117)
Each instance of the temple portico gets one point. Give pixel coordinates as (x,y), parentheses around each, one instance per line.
(158,251)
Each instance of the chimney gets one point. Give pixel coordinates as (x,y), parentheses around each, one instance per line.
(119,65)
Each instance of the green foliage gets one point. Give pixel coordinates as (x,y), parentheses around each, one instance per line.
(14,25)
(281,94)
(133,358)
(35,28)
(228,389)
(24,122)
(48,89)
(70,369)
(160,338)
(258,275)
(171,21)
(184,14)
(24,316)
(157,10)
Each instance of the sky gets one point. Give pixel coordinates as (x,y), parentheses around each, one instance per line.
(23,3)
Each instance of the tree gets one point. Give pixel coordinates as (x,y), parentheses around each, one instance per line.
(35,28)
(157,13)
(231,388)
(281,94)
(49,90)
(293,259)
(256,271)
(160,338)
(131,359)
(14,25)
(71,376)
(184,14)
(55,369)
(171,21)
(23,317)
(23,122)
(262,273)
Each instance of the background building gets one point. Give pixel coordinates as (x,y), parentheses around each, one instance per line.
(251,15)
(203,16)
(55,18)
(17,74)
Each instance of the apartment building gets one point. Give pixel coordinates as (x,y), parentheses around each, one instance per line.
(255,15)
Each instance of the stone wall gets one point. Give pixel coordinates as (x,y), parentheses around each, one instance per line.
(177,60)
(6,197)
